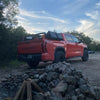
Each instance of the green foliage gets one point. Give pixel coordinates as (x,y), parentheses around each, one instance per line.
(16,36)
(9,36)
(11,64)
(8,43)
(8,10)
(15,63)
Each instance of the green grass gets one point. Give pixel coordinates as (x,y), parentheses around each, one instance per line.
(12,64)
(15,63)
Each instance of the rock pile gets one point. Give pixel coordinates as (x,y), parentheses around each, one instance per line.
(59,81)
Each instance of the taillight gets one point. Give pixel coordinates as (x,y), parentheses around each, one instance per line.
(44,47)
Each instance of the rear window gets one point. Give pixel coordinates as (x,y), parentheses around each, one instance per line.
(33,36)
(51,35)
(54,36)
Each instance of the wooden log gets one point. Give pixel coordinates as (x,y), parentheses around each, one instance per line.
(29,90)
(22,93)
(20,90)
(7,99)
(36,86)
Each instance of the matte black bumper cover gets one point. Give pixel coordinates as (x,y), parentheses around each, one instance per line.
(29,57)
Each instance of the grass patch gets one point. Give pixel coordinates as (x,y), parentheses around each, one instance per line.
(12,64)
(15,63)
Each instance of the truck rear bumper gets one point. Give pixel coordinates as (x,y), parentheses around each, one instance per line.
(46,57)
(29,57)
(34,57)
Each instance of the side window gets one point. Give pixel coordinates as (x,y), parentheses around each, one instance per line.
(75,39)
(69,38)
(60,36)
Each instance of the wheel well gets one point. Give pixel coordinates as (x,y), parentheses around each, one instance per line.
(85,49)
(59,49)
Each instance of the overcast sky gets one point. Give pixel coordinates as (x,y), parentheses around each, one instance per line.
(60,15)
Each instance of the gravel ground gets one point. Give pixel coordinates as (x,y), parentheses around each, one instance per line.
(90,69)
(59,81)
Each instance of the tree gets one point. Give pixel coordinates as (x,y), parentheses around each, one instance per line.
(16,35)
(92,45)
(8,10)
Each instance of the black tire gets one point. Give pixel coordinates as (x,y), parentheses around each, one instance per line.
(59,56)
(85,55)
(33,64)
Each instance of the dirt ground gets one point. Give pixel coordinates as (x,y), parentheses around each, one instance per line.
(90,69)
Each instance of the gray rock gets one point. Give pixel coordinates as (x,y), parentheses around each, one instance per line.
(67,97)
(77,91)
(82,81)
(87,98)
(49,68)
(70,88)
(62,69)
(74,98)
(97,92)
(51,85)
(61,78)
(81,97)
(39,97)
(84,89)
(43,77)
(55,98)
(70,79)
(92,93)
(52,75)
(61,87)
(36,76)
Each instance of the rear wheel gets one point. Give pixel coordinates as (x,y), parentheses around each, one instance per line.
(59,56)
(85,55)
(33,64)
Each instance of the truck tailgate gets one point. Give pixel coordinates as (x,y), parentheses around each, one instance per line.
(30,47)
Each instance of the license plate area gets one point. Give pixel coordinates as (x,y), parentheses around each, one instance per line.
(29,56)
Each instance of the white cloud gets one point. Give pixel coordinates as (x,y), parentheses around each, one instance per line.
(33,22)
(60,27)
(75,7)
(85,26)
(98,4)
(90,28)
(39,23)
(29,27)
(21,18)
(43,12)
(93,15)
(33,15)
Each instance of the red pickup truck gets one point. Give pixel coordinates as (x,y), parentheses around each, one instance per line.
(50,46)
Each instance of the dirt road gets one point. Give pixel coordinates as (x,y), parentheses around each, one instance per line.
(90,69)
